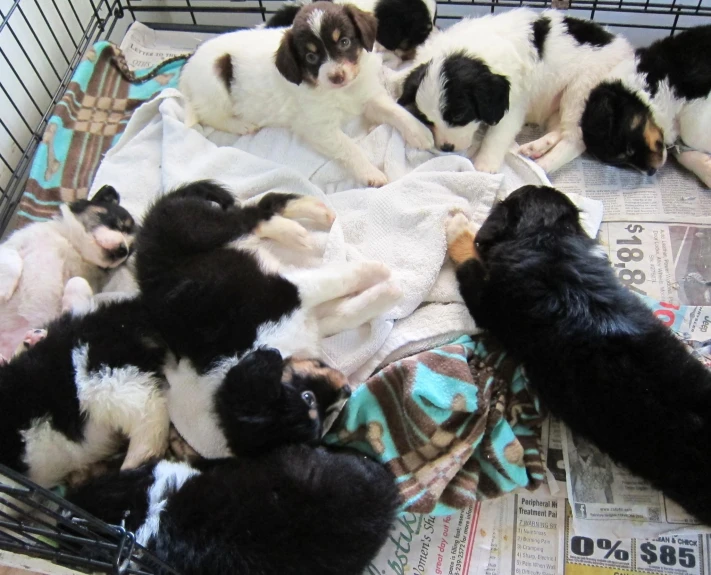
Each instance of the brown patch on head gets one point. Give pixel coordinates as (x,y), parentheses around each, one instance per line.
(287,59)
(336,34)
(636,121)
(654,138)
(311,47)
(462,248)
(224,70)
(312,368)
(366,25)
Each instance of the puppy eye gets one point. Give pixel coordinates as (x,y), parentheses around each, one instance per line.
(312,58)
(309,398)
(344,43)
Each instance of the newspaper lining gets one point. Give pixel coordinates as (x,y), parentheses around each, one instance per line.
(657,232)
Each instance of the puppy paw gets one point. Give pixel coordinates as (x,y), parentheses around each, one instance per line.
(31,338)
(371,273)
(461,235)
(373,177)
(541,146)
(309,208)
(487,165)
(284,231)
(77,296)
(419,136)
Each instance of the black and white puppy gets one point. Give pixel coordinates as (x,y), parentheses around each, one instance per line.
(86,240)
(659,98)
(70,400)
(499,71)
(403,25)
(309,78)
(217,297)
(598,357)
(291,511)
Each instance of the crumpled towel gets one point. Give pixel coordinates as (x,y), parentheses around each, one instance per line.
(455,424)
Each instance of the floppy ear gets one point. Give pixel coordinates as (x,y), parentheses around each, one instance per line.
(491,96)
(366,25)
(106,195)
(255,381)
(287,60)
(411,85)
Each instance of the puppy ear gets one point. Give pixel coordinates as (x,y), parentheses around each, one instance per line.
(287,61)
(256,380)
(106,195)
(366,25)
(491,95)
(412,84)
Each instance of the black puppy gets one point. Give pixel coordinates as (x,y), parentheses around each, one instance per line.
(593,351)
(294,510)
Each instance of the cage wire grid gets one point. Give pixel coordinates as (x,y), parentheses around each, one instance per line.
(41,45)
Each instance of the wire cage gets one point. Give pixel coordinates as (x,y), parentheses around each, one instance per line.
(41,44)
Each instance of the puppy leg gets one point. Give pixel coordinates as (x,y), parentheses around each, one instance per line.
(539,147)
(309,208)
(384,110)
(284,231)
(337,145)
(471,274)
(148,433)
(498,140)
(78,297)
(698,163)
(564,151)
(351,312)
(461,236)
(237,126)
(32,337)
(10,272)
(320,285)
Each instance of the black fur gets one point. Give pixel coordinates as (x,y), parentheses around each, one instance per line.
(587,32)
(594,352)
(613,126)
(541,27)
(409,93)
(472,92)
(41,381)
(682,60)
(258,408)
(292,511)
(283,17)
(207,299)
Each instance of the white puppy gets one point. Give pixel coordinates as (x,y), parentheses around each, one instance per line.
(309,78)
(500,71)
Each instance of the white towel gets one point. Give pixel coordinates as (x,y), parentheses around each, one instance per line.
(401,224)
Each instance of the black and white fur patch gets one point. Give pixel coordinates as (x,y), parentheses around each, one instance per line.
(216,517)
(68,402)
(652,101)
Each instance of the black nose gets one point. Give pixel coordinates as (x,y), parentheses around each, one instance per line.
(651,171)
(447,147)
(337,78)
(345,391)
(121,251)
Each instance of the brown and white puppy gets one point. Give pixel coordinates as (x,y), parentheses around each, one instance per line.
(310,78)
(89,238)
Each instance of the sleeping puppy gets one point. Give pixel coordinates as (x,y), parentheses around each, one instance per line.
(309,78)
(498,71)
(332,510)
(656,99)
(67,402)
(36,262)
(598,357)
(217,296)
(403,25)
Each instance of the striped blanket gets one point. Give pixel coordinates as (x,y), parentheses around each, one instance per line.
(87,121)
(455,424)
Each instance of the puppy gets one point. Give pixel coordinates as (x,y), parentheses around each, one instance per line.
(217,297)
(403,25)
(593,351)
(654,100)
(309,78)
(322,512)
(87,239)
(498,71)
(66,402)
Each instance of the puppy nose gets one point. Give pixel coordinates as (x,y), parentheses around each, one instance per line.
(345,392)
(651,171)
(337,78)
(447,147)
(122,251)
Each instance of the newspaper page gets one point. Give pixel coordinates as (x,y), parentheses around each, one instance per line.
(552,450)
(144,47)
(672,195)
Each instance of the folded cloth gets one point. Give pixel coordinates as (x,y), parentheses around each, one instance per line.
(455,424)
(84,124)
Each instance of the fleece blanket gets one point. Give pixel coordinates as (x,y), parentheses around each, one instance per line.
(455,424)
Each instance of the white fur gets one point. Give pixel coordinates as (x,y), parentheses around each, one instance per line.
(538,87)
(36,262)
(260,96)
(168,477)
